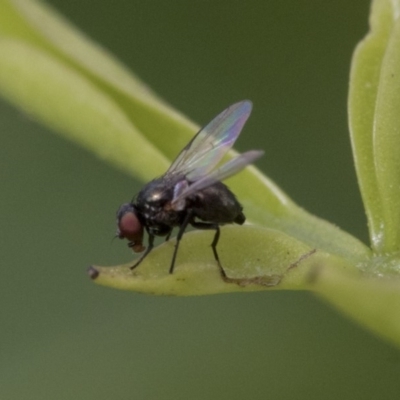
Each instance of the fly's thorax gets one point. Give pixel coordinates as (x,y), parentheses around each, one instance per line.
(154,204)
(154,196)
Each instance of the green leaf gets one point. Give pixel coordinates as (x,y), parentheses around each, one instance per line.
(387,137)
(374,104)
(374,303)
(67,101)
(254,258)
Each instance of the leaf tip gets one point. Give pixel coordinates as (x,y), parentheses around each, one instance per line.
(93,272)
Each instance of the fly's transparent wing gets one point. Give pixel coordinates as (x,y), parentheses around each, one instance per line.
(230,168)
(211,143)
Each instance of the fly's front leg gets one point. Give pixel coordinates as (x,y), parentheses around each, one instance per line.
(146,252)
(208,226)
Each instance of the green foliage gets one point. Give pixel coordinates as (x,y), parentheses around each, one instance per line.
(53,72)
(374,104)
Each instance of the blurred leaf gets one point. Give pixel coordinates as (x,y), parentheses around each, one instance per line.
(68,102)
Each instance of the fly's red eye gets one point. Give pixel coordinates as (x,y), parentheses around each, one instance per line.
(130,228)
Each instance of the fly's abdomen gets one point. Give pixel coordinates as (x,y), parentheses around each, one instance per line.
(240,219)
(217,204)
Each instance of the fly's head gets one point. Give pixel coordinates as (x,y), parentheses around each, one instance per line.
(130,227)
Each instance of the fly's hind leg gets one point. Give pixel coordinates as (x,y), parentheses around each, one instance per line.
(208,226)
(168,236)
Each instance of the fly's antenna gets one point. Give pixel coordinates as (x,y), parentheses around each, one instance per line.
(113,238)
(134,198)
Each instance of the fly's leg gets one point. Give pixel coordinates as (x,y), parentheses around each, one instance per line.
(146,252)
(182,229)
(168,236)
(207,226)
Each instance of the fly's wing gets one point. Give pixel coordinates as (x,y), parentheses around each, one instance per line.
(211,143)
(230,168)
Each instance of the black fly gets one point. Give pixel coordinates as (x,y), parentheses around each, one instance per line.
(190,192)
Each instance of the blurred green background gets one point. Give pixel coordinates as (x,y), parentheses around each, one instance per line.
(62,337)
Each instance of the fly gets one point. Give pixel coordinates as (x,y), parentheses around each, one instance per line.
(191,191)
